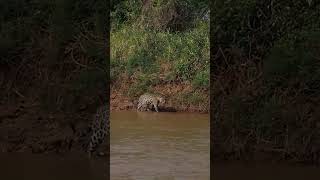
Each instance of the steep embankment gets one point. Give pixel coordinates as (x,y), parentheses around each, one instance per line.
(176,99)
(156,55)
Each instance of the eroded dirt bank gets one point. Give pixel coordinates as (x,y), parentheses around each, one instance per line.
(176,99)
(26,127)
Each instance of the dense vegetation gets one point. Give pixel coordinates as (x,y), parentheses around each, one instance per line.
(265,79)
(161,45)
(53,72)
(53,52)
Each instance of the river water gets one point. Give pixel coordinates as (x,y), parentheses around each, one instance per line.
(26,166)
(149,145)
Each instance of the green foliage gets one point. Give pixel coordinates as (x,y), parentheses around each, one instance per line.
(142,61)
(124,11)
(159,42)
(201,80)
(158,15)
(134,49)
(116,67)
(195,98)
(143,84)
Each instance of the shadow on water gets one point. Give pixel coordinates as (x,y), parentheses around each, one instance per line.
(18,166)
(167,109)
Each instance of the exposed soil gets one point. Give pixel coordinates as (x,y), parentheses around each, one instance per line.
(120,101)
(25,127)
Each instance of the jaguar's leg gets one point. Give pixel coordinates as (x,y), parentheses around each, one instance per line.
(139,107)
(90,149)
(142,107)
(156,107)
(147,108)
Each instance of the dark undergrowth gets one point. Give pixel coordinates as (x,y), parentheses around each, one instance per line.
(53,72)
(53,52)
(265,80)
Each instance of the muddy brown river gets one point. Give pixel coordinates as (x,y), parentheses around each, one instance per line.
(148,145)
(152,146)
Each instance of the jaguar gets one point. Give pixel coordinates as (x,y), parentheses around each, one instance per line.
(95,134)
(146,100)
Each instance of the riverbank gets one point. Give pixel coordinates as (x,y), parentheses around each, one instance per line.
(174,100)
(26,127)
(171,58)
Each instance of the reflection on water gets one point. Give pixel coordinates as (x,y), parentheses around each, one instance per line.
(147,145)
